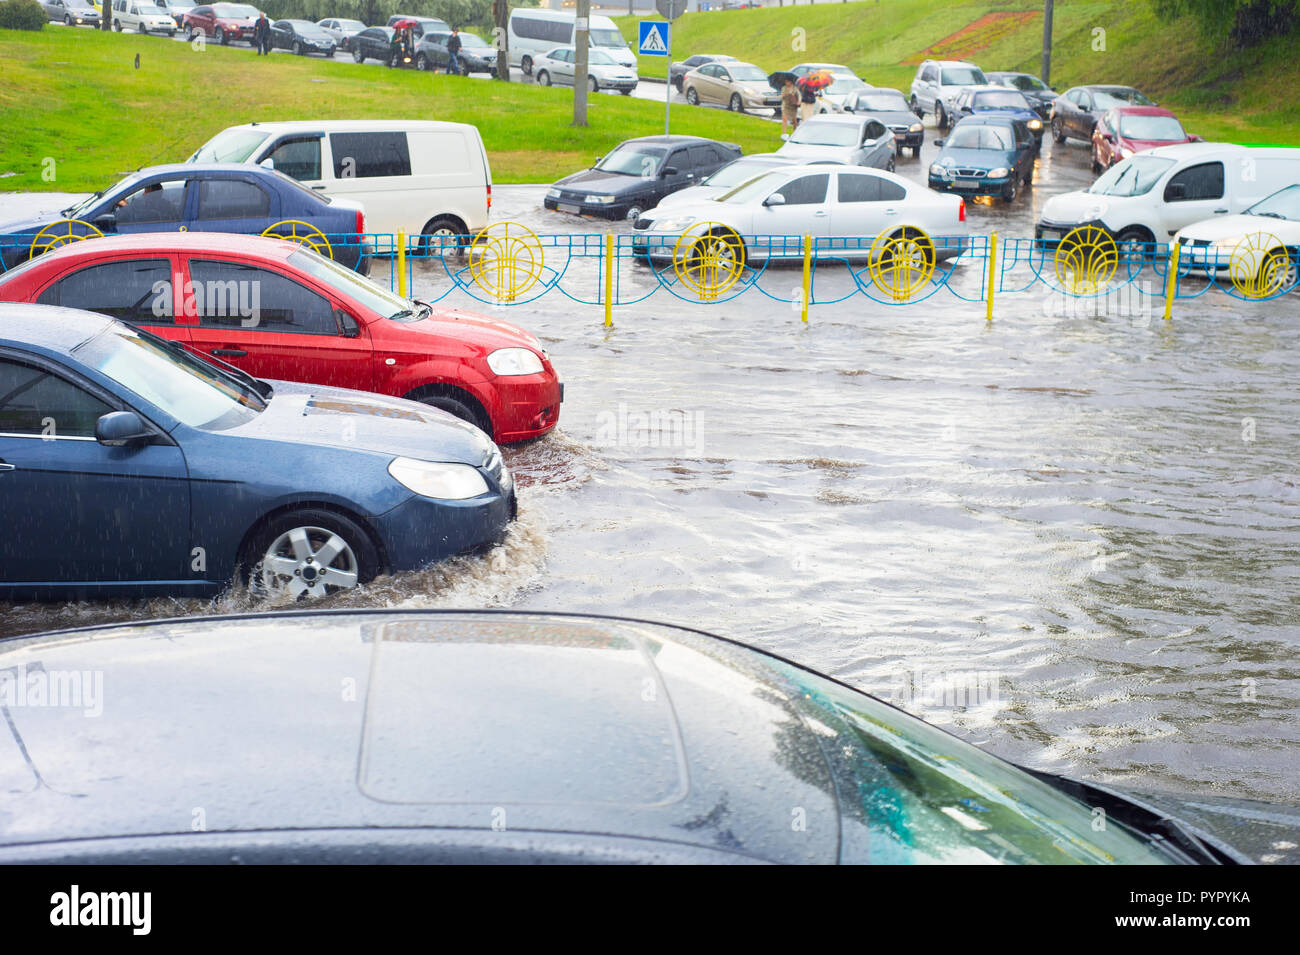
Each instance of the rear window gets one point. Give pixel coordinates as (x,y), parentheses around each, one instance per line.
(370,155)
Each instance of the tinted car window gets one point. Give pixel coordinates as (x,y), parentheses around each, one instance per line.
(805,190)
(868,188)
(874,130)
(159,202)
(369,155)
(1199,182)
(245,296)
(135,292)
(701,157)
(232,199)
(34,401)
(298,158)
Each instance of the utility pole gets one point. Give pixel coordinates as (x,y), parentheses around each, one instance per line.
(501,14)
(1047,42)
(581,33)
(106,16)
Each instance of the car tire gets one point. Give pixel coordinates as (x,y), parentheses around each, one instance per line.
(358,56)
(357,561)
(221,37)
(1010,191)
(421,62)
(543,78)
(736,105)
(297,48)
(692,97)
(916,107)
(461,407)
(1133,244)
(908,232)
(1029,177)
(117,25)
(68,20)
(1058,130)
(526,65)
(437,231)
(740,255)
(898,150)
(626,92)
(940,115)
(592,85)
(677,83)
(141,28)
(633,213)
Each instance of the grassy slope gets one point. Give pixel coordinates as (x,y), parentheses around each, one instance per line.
(1242,97)
(73,95)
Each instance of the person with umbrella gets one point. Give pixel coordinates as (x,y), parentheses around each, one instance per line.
(785,82)
(403,47)
(809,85)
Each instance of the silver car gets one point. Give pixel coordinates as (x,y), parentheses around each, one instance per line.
(937,84)
(845,138)
(71,12)
(558,67)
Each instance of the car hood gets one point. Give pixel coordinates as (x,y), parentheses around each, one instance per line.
(359,421)
(977,158)
(1015,112)
(27,225)
(1263,832)
(1077,207)
(594,180)
(893,117)
(805,151)
(490,333)
(1227,227)
(1138,145)
(687,196)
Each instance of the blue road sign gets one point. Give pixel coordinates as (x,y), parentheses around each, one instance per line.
(653,38)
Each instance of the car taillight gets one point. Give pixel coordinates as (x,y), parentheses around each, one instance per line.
(961,211)
(361,222)
(489,189)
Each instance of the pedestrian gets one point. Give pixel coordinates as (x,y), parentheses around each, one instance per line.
(808,106)
(453,48)
(789,105)
(262,34)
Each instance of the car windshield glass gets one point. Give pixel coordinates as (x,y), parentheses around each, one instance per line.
(963,76)
(747,74)
(980,137)
(79,5)
(232,145)
(1023,82)
(882,102)
(308,29)
(609,38)
(733,174)
(813,133)
(632,160)
(236,11)
(374,297)
(149,10)
(120,188)
(1119,97)
(1284,204)
(1152,128)
(351,25)
(1134,177)
(599,57)
(925,797)
(845,84)
(187,388)
(469,41)
(755,189)
(1000,100)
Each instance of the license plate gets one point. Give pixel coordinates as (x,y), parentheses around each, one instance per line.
(567,207)
(966,185)
(1051,234)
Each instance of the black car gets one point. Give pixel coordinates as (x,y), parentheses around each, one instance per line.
(1076,111)
(302,37)
(422,25)
(1040,95)
(475,55)
(680,68)
(479,737)
(636,174)
(373,43)
(891,108)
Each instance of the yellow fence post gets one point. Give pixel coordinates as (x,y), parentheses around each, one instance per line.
(401,263)
(609,280)
(993,271)
(1171,283)
(807,276)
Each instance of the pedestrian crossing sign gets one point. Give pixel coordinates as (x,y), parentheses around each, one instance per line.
(653,38)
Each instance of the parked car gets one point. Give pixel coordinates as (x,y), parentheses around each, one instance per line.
(302,37)
(851,139)
(737,85)
(185,474)
(1076,111)
(373,43)
(985,156)
(198,197)
(71,12)
(725,179)
(558,67)
(223,22)
(889,107)
(1124,130)
(998,101)
(1039,94)
(475,55)
(531,30)
(422,25)
(816,200)
(1145,200)
(427,178)
(636,174)
(142,17)
(937,84)
(176,9)
(1210,244)
(678,69)
(342,31)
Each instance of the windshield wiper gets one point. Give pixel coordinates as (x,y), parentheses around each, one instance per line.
(247,382)
(1271,215)
(84,202)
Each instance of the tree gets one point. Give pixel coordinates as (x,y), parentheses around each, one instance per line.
(1245,23)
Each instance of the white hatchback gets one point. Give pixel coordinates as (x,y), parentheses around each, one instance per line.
(142,16)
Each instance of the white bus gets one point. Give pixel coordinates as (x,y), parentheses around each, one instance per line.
(532,32)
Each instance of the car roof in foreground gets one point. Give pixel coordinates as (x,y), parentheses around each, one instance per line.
(164,242)
(45,326)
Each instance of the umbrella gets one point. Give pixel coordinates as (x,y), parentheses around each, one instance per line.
(779,78)
(818,79)
(404,24)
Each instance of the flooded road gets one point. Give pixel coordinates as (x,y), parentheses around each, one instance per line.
(1074,541)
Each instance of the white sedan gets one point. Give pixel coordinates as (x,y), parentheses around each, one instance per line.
(774,210)
(1259,237)
(850,139)
(559,67)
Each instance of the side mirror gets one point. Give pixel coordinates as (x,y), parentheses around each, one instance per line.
(967,109)
(106,221)
(669,171)
(775,199)
(120,428)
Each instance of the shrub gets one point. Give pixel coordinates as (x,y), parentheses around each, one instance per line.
(21,15)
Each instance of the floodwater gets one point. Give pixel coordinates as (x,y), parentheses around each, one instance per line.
(1072,540)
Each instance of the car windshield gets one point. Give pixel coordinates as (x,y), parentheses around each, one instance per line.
(980,137)
(755,189)
(1023,81)
(632,160)
(882,102)
(734,173)
(813,133)
(121,187)
(1000,100)
(599,58)
(963,76)
(1283,204)
(1152,128)
(235,11)
(308,29)
(232,145)
(607,38)
(187,388)
(79,5)
(341,278)
(181,4)
(1119,96)
(1133,177)
(355,26)
(471,42)
(149,10)
(844,84)
(745,73)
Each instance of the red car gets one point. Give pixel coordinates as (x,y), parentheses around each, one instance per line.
(1125,130)
(221,21)
(281,311)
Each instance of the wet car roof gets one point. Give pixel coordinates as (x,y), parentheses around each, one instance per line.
(59,329)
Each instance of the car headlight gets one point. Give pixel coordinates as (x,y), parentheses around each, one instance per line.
(1035,124)
(444,481)
(552,193)
(999,173)
(673,224)
(1227,242)
(915,128)
(1096,211)
(514,361)
(600,200)
(937,170)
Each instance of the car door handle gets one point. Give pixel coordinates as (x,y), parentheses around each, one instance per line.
(229,352)
(819,213)
(891,212)
(318,187)
(1219,212)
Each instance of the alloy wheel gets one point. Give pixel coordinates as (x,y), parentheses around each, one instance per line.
(308,562)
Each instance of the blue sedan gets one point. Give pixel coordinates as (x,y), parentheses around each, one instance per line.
(999,101)
(985,156)
(130,467)
(198,197)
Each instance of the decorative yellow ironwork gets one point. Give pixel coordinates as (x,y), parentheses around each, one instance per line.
(304,233)
(506,260)
(1086,259)
(902,262)
(61,233)
(709,258)
(1260,266)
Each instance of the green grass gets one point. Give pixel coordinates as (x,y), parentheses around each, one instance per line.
(73,96)
(1224,95)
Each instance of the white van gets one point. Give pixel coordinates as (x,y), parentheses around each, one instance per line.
(532,32)
(142,16)
(1153,194)
(420,176)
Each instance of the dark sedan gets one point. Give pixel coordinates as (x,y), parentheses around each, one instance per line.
(1076,111)
(998,101)
(475,55)
(891,108)
(1040,95)
(509,737)
(680,68)
(373,43)
(985,156)
(197,197)
(637,173)
(302,37)
(131,467)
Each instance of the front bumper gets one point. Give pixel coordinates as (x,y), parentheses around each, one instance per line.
(422,530)
(612,210)
(983,186)
(1048,234)
(913,140)
(525,406)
